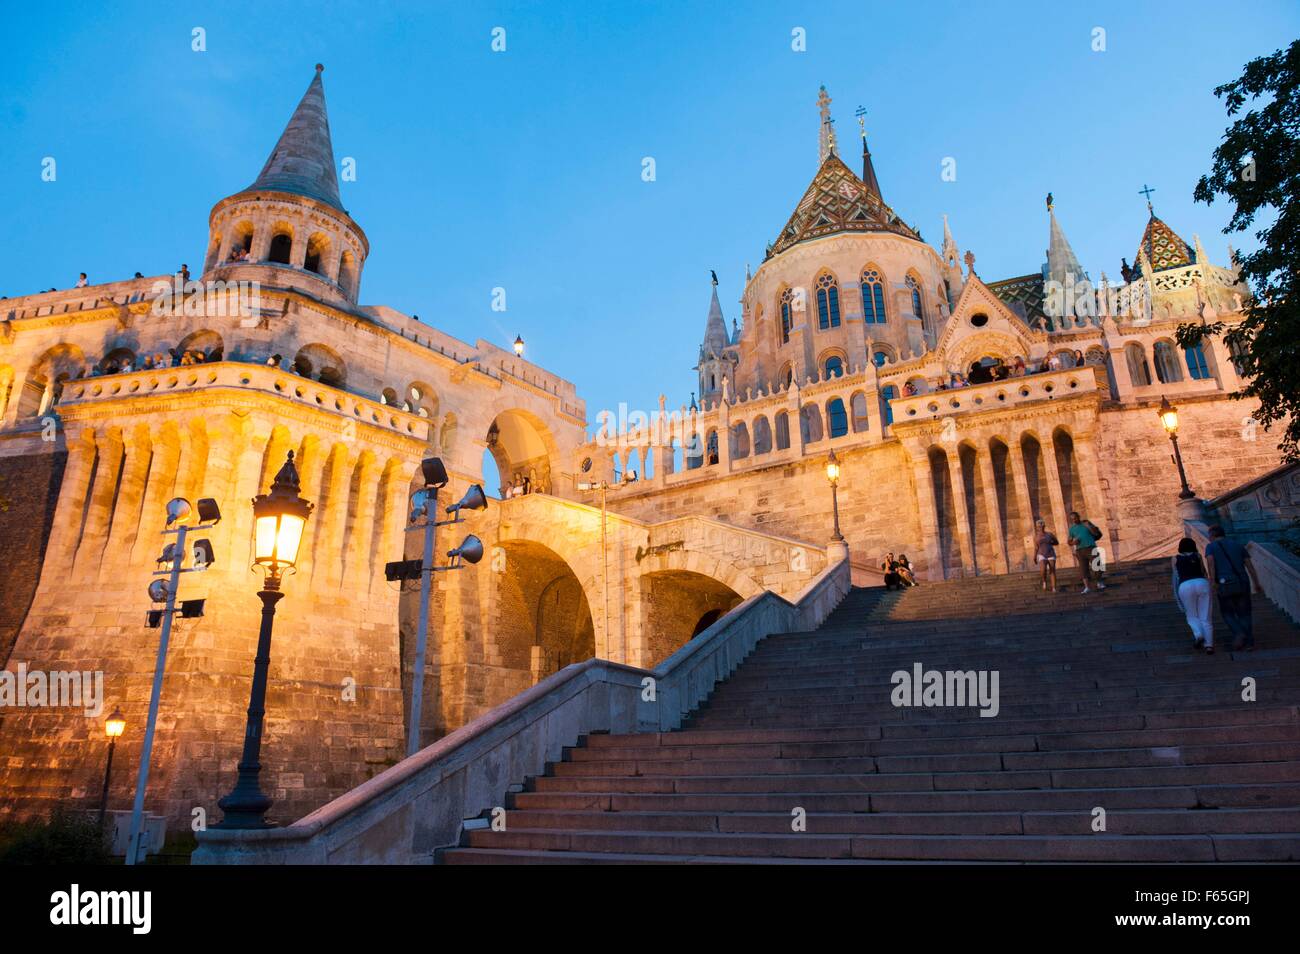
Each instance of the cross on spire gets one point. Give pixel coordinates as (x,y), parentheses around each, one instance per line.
(861,113)
(826,136)
(1146,190)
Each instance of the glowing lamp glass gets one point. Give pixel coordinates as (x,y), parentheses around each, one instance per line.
(115,725)
(276,538)
(1168,416)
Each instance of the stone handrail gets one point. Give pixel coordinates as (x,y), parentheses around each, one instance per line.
(402,815)
(1279,575)
(974,397)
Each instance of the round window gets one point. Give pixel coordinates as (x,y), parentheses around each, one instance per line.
(979,320)
(586,464)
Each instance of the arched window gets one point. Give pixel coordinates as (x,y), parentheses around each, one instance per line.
(915,288)
(785,377)
(782,430)
(281,246)
(787,314)
(887,394)
(1237,350)
(1167,369)
(879,358)
(837,419)
(762,436)
(1196,364)
(858,404)
(810,423)
(828,302)
(834,367)
(873,297)
(1138,369)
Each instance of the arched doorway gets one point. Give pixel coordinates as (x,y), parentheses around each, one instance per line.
(521,447)
(540,620)
(678,605)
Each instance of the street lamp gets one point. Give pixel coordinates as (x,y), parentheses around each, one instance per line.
(278,521)
(519,345)
(833,475)
(424,519)
(163,590)
(1169,418)
(114,726)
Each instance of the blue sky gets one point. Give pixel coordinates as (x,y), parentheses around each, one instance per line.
(522,169)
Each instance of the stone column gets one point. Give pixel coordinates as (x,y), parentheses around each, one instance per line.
(927,514)
(1060,519)
(1094,501)
(963,515)
(1020,487)
(392,523)
(996,519)
(130,496)
(310,462)
(158,490)
(66,527)
(335,486)
(94,529)
(361,528)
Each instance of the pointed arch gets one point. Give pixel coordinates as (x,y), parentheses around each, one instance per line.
(828,300)
(872,282)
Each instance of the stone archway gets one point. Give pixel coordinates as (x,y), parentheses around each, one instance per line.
(676,606)
(523,448)
(539,620)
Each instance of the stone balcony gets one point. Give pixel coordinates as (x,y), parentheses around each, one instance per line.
(997,395)
(83,392)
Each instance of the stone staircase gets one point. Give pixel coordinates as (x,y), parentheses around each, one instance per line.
(1103,704)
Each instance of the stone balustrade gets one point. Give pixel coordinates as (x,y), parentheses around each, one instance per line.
(997,394)
(233,374)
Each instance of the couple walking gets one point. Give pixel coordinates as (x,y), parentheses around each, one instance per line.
(1083,538)
(1228,564)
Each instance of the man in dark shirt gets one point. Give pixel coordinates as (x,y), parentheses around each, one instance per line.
(1233,575)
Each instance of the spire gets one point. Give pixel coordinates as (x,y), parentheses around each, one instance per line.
(303,160)
(1061,260)
(715,328)
(950,253)
(826,135)
(868,170)
(1161,245)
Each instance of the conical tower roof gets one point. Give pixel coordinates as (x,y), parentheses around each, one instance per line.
(715,327)
(1163,247)
(1061,260)
(838,201)
(302,162)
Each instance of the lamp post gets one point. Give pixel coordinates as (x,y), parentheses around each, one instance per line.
(278,521)
(424,507)
(179,516)
(519,346)
(603,487)
(1169,418)
(833,475)
(114,726)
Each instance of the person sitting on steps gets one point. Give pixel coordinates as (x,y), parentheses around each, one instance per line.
(892,580)
(906,575)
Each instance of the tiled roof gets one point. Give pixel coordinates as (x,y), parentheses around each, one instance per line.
(1023,295)
(1163,247)
(838,201)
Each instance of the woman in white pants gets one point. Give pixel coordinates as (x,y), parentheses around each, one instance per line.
(1192,594)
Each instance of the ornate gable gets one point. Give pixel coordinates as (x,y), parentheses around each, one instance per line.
(1004,331)
(837,201)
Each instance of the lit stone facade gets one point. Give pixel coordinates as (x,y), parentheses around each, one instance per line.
(116,397)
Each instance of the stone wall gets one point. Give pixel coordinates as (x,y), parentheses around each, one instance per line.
(29,490)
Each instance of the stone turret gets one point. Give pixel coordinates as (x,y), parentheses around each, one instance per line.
(715,362)
(289,228)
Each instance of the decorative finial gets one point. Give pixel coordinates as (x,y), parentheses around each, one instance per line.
(1049,202)
(320,68)
(969,259)
(1146,190)
(715,277)
(826,136)
(861,113)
